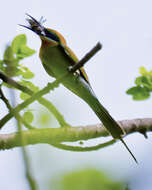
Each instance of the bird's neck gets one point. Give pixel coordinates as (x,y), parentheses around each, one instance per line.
(46,44)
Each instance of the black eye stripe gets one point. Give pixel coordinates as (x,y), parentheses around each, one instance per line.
(51,35)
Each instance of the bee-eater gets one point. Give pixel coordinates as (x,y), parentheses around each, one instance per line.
(56,58)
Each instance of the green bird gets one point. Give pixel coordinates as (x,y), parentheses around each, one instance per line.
(56,58)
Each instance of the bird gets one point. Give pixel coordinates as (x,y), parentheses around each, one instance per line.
(56,58)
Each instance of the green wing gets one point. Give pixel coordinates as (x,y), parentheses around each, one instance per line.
(74,58)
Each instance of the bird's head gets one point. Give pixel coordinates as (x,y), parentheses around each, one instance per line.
(46,34)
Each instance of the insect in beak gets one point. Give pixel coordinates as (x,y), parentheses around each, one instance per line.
(34,25)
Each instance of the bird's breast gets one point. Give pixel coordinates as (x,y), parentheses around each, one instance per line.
(54,60)
(56,63)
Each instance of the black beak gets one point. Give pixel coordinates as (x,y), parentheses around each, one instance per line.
(38,28)
(34,25)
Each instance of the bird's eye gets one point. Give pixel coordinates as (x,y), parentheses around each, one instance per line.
(51,35)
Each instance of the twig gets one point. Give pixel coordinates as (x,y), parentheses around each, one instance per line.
(8,105)
(41,100)
(73,134)
(5,100)
(84,149)
(86,58)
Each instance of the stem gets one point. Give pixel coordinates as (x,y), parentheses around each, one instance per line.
(8,105)
(83,149)
(42,101)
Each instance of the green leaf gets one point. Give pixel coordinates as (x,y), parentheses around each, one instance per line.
(144,81)
(24,96)
(12,71)
(8,54)
(28,117)
(20,48)
(13,62)
(18,42)
(150,74)
(25,51)
(44,118)
(143,71)
(139,93)
(27,75)
(30,85)
(87,179)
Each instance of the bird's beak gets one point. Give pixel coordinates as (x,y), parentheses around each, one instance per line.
(39,29)
(34,25)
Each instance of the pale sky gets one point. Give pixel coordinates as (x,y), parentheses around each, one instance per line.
(125,30)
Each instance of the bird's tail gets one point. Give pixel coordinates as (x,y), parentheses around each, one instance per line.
(128,149)
(109,123)
(84,91)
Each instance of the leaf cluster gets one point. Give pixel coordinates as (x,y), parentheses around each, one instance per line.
(13,54)
(12,67)
(143,85)
(87,179)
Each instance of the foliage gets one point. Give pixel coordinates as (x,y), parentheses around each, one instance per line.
(87,179)
(13,54)
(44,118)
(28,117)
(12,67)
(143,85)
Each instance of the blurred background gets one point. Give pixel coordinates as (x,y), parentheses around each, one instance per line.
(125,30)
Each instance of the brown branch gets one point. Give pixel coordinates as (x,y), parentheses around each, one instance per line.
(59,135)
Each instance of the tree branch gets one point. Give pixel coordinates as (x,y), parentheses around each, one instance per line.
(55,136)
